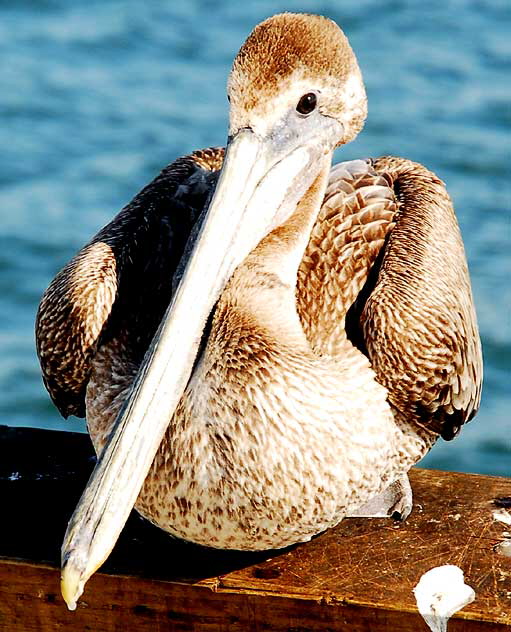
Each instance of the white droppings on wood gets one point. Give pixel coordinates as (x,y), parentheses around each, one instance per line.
(440,593)
(504,548)
(502,516)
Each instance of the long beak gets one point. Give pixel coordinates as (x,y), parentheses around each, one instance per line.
(248,203)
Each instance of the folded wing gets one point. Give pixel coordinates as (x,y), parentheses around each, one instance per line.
(120,284)
(385,268)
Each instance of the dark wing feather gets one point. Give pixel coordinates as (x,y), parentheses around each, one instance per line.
(417,316)
(122,279)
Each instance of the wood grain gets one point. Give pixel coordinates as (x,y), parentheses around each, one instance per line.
(358,576)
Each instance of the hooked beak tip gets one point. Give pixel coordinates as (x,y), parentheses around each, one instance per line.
(71,587)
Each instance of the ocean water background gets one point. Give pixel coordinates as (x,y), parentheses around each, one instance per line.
(96,97)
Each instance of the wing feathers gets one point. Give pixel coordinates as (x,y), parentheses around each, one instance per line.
(356,215)
(119,285)
(82,293)
(419,322)
(385,267)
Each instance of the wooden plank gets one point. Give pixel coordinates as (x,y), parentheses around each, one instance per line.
(358,576)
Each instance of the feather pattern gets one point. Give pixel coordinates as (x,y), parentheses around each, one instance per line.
(361,287)
(385,255)
(418,322)
(122,279)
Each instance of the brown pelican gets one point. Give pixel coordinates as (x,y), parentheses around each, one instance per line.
(316,340)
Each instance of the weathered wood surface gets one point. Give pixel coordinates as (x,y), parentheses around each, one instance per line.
(357,577)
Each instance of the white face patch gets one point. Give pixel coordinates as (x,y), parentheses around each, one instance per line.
(353,98)
(344,102)
(268,112)
(354,92)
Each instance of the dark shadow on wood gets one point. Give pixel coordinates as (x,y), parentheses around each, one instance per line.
(42,475)
(358,576)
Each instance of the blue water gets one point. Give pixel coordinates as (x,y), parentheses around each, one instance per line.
(96,97)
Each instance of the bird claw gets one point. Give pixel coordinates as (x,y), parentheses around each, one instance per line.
(395,502)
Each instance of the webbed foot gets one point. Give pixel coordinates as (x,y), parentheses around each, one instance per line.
(396,502)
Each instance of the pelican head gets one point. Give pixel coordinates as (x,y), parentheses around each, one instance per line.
(288,57)
(296,93)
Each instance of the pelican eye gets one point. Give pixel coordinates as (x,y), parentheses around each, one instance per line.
(307,103)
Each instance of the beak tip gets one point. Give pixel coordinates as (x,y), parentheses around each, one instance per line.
(72,583)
